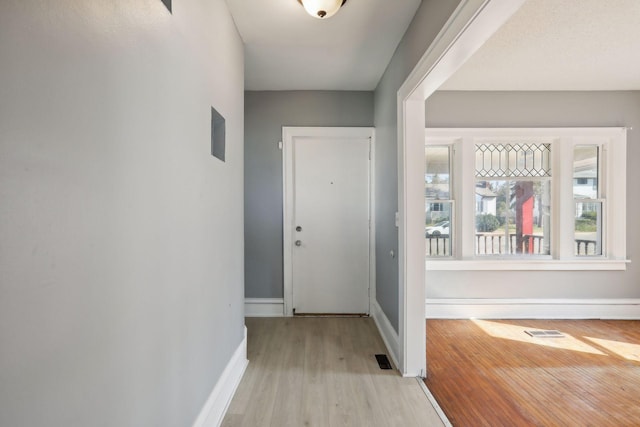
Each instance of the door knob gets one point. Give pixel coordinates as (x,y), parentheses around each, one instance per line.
(298,228)
(298,242)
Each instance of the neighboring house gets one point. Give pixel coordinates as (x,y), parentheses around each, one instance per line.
(485,201)
(585,186)
(435,208)
(437,191)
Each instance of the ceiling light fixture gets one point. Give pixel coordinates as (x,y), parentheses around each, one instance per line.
(322,9)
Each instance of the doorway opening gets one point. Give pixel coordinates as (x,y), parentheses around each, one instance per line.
(471,24)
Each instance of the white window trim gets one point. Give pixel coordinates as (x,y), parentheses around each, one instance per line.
(613,189)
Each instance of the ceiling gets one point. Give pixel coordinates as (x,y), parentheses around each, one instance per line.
(546,45)
(286,49)
(559,45)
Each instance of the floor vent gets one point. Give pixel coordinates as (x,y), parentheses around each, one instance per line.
(383,361)
(545,334)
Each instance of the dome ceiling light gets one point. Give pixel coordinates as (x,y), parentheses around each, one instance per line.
(322,9)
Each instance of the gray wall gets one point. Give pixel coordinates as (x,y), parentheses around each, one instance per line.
(121,249)
(265,114)
(426,24)
(544,109)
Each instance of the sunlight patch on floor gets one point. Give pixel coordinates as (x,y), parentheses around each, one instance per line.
(626,350)
(516,333)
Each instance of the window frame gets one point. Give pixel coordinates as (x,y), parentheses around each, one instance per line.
(612,186)
(600,198)
(451,201)
(509,176)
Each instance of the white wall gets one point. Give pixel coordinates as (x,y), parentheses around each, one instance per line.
(121,237)
(544,109)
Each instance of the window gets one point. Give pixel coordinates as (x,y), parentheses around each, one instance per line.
(589,207)
(513,193)
(544,198)
(438,200)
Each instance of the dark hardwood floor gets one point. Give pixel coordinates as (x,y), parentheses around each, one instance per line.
(491,373)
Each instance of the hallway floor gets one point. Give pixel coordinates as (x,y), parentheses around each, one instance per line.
(322,372)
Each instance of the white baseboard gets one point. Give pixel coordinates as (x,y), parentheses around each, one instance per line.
(216,405)
(389,335)
(264,307)
(464,308)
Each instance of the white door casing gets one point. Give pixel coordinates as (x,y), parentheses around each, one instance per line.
(327,206)
(470,25)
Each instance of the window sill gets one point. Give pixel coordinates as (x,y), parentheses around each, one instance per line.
(527,265)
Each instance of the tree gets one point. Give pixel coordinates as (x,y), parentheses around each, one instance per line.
(487,222)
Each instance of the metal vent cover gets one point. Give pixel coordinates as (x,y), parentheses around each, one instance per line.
(545,333)
(383,361)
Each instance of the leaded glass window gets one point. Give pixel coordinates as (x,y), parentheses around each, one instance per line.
(513,196)
(513,159)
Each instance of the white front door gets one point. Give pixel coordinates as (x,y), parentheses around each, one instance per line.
(327,185)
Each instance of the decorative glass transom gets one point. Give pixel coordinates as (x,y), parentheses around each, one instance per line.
(513,160)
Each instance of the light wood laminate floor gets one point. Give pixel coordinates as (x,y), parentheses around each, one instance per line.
(322,372)
(491,373)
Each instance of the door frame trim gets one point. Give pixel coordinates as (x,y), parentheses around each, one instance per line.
(470,25)
(288,134)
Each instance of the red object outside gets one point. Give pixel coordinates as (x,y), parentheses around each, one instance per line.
(524,217)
